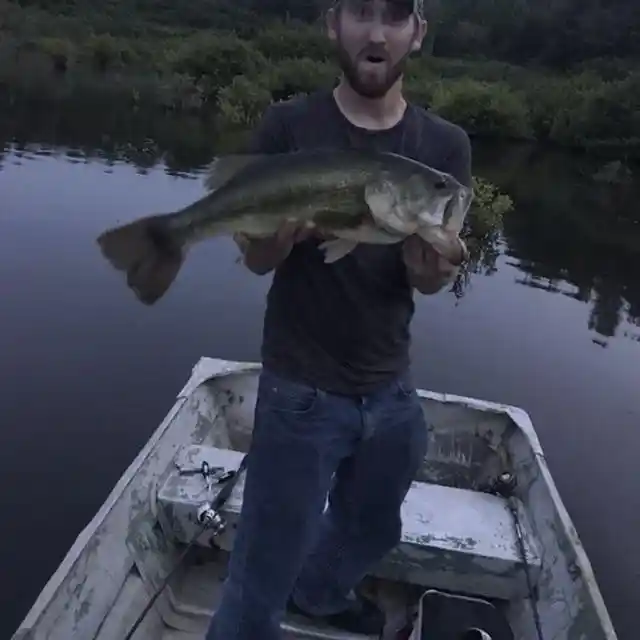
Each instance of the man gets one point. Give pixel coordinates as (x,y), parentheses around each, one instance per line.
(337,413)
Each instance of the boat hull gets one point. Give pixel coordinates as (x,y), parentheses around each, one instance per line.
(103,582)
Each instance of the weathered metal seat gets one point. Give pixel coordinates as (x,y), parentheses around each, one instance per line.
(461,541)
(452,539)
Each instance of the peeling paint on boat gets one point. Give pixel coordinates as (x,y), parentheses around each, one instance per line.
(104,580)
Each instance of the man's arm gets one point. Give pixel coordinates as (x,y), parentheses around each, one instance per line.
(263,255)
(427,270)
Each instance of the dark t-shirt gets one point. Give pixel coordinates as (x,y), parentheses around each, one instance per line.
(344,327)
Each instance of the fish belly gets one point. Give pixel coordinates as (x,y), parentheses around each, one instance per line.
(369,234)
(346,240)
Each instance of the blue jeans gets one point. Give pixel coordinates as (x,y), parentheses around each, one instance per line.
(361,452)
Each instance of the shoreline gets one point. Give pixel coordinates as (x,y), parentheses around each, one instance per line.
(216,74)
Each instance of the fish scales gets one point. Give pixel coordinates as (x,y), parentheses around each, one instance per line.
(354,196)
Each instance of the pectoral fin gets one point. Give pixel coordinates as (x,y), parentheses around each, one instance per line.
(223,168)
(336,249)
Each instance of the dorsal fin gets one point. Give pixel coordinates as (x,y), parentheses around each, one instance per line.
(223,168)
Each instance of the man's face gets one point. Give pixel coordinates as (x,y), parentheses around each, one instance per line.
(374,38)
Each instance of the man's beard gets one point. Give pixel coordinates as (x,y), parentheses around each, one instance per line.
(369,88)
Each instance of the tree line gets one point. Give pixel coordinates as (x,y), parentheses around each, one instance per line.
(559,34)
(513,69)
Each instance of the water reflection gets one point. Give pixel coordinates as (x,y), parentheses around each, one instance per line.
(181,145)
(89,371)
(575,230)
(577,235)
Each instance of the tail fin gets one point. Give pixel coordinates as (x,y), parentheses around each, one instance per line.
(149,254)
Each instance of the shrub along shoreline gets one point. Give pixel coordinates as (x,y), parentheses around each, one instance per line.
(222,75)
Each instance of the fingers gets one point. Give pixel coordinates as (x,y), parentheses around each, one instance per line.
(323,234)
(413,252)
(419,249)
(302,234)
(421,257)
(454,252)
(241,240)
(286,231)
(452,248)
(292,231)
(446,246)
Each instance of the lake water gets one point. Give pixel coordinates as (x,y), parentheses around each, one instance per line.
(550,322)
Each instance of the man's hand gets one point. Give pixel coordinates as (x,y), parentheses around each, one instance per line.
(261,255)
(429,271)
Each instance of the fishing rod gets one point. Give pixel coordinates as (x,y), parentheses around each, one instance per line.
(209,518)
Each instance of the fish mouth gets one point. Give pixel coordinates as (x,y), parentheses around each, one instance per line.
(444,206)
(439,214)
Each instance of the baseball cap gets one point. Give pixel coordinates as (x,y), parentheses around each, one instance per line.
(417,6)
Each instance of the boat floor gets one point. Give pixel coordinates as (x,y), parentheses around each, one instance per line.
(202,584)
(196,590)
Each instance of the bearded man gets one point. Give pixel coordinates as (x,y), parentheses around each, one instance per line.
(337,414)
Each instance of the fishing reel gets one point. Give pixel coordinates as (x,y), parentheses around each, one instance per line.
(504,485)
(211,519)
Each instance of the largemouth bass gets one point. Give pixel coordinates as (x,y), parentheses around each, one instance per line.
(354,196)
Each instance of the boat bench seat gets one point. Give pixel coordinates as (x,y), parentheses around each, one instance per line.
(452,539)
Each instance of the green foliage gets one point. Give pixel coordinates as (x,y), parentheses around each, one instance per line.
(420,91)
(479,69)
(552,99)
(300,75)
(172,92)
(607,68)
(608,115)
(554,34)
(420,82)
(210,56)
(614,172)
(558,34)
(218,57)
(483,108)
(488,208)
(294,40)
(104,52)
(62,52)
(482,230)
(241,103)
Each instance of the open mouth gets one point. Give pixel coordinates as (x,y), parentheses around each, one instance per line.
(373,59)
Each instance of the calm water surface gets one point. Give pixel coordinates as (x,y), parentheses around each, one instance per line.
(549,322)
